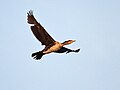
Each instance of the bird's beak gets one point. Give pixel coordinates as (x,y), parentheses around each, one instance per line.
(74,40)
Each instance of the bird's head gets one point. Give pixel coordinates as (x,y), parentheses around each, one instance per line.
(68,42)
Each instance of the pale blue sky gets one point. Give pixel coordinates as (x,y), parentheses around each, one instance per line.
(95,24)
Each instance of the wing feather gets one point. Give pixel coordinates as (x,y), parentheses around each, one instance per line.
(39,32)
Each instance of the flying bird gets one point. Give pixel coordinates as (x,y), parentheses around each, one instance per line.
(50,44)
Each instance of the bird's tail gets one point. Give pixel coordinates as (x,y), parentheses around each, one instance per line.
(37,55)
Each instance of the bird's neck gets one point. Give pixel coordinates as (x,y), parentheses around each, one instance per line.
(65,43)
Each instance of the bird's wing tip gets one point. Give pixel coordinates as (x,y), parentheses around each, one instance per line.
(30,12)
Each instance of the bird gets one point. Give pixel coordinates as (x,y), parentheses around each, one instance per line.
(42,35)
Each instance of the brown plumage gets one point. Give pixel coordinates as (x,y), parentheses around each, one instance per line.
(50,44)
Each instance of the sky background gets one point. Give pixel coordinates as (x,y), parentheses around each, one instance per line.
(95,24)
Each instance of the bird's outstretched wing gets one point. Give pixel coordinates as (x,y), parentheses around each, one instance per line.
(39,32)
(64,49)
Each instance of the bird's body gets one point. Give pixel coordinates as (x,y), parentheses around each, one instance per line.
(52,47)
(50,44)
